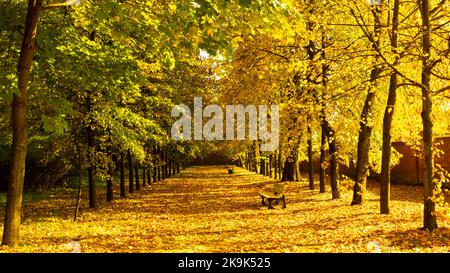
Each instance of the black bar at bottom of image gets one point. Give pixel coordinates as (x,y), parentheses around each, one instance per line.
(221,262)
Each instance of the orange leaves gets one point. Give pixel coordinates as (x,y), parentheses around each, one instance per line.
(206,209)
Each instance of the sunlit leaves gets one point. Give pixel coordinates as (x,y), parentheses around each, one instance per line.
(207,210)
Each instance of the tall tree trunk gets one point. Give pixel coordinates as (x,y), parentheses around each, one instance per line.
(387,121)
(167,165)
(19,128)
(91,177)
(270,165)
(326,132)
(310,157)
(280,164)
(289,164)
(109,183)
(322,170)
(165,174)
(122,176)
(136,169)
(365,125)
(130,173)
(80,179)
(144,174)
(298,176)
(311,51)
(429,219)
(335,189)
(163,165)
(262,166)
(159,171)
(158,153)
(256,157)
(275,162)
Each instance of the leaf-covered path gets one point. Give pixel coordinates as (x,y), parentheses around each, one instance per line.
(204,209)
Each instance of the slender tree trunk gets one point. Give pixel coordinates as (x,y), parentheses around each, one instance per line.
(310,157)
(144,174)
(159,171)
(322,170)
(270,165)
(136,169)
(122,176)
(429,219)
(326,131)
(130,173)
(149,176)
(261,166)
(80,178)
(19,128)
(387,121)
(335,189)
(275,162)
(280,164)
(289,165)
(365,126)
(163,165)
(172,167)
(298,176)
(166,165)
(91,176)
(109,183)
(256,157)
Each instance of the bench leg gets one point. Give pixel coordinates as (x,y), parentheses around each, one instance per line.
(284,202)
(262,201)
(270,203)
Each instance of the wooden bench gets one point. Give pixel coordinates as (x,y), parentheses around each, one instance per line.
(275,194)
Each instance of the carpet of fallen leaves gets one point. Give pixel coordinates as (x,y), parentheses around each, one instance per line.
(205,209)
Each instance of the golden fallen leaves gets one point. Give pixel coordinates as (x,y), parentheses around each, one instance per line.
(205,209)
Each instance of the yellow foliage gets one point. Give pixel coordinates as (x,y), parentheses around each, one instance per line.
(208,210)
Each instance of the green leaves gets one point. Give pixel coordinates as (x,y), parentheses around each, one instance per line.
(56,125)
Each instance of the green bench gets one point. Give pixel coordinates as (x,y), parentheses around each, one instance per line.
(275,194)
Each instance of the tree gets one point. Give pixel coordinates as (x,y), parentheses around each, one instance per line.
(429,216)
(366,126)
(19,123)
(387,121)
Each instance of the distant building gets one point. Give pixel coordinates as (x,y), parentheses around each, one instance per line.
(410,168)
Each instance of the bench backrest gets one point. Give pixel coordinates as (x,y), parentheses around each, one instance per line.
(278,188)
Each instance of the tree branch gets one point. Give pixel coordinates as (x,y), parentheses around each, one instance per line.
(442,90)
(378,50)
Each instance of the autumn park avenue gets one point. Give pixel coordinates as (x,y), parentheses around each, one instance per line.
(205,209)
